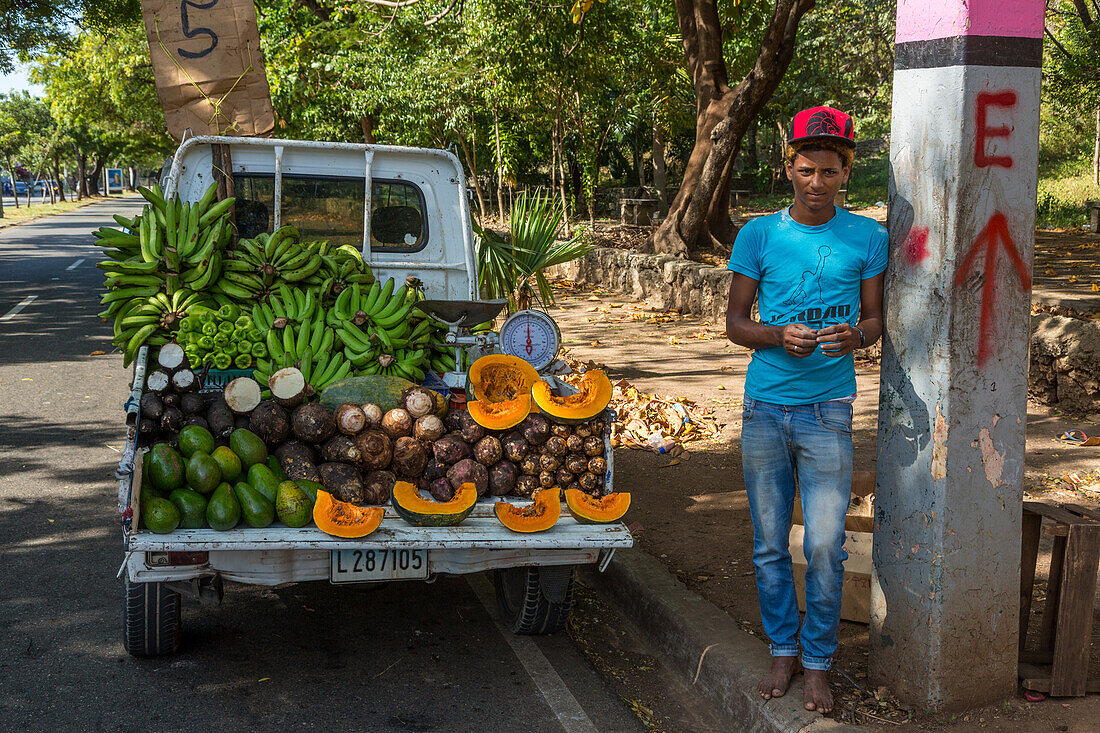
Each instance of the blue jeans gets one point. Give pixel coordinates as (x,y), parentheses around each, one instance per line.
(810,445)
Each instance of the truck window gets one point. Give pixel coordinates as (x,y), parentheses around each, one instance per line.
(327,207)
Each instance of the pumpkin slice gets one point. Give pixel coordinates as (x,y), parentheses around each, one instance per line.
(500,415)
(343,519)
(421,512)
(539,516)
(588,509)
(500,378)
(592,397)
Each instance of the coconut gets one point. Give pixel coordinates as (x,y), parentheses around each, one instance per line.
(350,419)
(373,414)
(434,469)
(469,471)
(270,422)
(597,465)
(409,457)
(429,428)
(397,422)
(343,481)
(549,462)
(546,479)
(593,446)
(574,443)
(487,451)
(515,446)
(379,486)
(535,429)
(588,481)
(529,466)
(526,486)
(555,445)
(576,463)
(450,449)
(502,478)
(441,490)
(312,423)
(340,448)
(375,449)
(561,431)
(418,402)
(562,477)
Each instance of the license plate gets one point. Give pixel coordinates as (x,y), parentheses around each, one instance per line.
(358,566)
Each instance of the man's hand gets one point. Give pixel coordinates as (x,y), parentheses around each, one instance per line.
(838,340)
(799,340)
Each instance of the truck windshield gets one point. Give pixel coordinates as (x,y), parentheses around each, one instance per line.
(328,207)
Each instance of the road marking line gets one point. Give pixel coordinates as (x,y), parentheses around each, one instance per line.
(75,265)
(569,712)
(15,311)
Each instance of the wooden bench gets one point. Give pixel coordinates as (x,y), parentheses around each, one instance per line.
(739,197)
(1093,208)
(638,212)
(1060,666)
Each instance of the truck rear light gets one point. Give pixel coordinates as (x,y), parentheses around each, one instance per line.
(163,559)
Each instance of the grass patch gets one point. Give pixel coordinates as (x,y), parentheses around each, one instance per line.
(13,215)
(1064,186)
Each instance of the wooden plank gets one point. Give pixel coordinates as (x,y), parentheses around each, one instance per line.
(1058,514)
(1083,511)
(1029,552)
(1054,588)
(1074,623)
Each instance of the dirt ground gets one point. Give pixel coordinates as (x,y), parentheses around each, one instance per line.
(693,513)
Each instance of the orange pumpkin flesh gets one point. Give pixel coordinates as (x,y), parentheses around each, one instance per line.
(500,415)
(588,509)
(500,378)
(539,516)
(342,519)
(594,393)
(420,512)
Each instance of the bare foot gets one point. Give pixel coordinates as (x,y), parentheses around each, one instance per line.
(818,696)
(778,679)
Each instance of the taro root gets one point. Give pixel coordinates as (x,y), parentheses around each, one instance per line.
(515,446)
(289,387)
(588,481)
(340,448)
(526,485)
(242,395)
(185,381)
(196,420)
(573,485)
(171,399)
(450,449)
(151,406)
(434,469)
(171,357)
(471,431)
(410,456)
(375,449)
(192,403)
(441,489)
(296,449)
(379,486)
(220,418)
(593,446)
(555,445)
(574,443)
(418,402)
(343,481)
(349,418)
(429,428)
(373,413)
(298,469)
(562,477)
(312,423)
(397,422)
(597,465)
(502,478)
(549,462)
(576,463)
(535,429)
(454,420)
(146,427)
(423,484)
(469,471)
(157,382)
(546,479)
(240,421)
(487,451)
(270,422)
(561,431)
(172,420)
(529,466)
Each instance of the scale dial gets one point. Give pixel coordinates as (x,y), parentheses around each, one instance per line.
(532,336)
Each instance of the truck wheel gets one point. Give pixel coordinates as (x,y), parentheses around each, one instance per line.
(535,600)
(151,619)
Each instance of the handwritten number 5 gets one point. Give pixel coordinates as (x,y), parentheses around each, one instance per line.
(196,32)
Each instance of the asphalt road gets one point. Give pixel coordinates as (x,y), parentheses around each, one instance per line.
(405,657)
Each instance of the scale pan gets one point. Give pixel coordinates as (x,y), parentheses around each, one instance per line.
(462,313)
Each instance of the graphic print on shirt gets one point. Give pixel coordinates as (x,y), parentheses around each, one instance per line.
(806,304)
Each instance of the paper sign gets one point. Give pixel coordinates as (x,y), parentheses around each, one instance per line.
(208,66)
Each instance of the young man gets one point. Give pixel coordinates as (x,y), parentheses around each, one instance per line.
(817,271)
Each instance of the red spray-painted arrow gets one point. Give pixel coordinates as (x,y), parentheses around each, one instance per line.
(995,233)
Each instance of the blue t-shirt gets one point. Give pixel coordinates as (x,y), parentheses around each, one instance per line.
(809,275)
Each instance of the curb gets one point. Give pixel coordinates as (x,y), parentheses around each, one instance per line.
(698,640)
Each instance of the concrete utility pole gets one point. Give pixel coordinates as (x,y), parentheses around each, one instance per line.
(953,402)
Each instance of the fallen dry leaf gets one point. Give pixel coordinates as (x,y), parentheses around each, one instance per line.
(597,343)
(101,353)
(673,340)
(1073,278)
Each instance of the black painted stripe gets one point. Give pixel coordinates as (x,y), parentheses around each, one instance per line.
(969,51)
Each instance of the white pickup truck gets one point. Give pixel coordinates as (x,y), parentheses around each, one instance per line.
(407,208)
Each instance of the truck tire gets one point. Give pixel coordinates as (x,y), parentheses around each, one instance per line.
(533,599)
(151,619)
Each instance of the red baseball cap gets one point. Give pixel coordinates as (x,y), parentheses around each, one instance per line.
(823,123)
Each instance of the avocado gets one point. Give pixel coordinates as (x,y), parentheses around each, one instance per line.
(203,473)
(192,507)
(248,447)
(223,511)
(273,463)
(227,462)
(293,505)
(165,467)
(255,508)
(310,487)
(195,439)
(261,478)
(160,515)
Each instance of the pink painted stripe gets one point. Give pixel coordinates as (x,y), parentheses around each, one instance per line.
(923,20)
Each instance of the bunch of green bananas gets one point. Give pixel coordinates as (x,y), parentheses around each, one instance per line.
(226,337)
(379,331)
(150,319)
(296,334)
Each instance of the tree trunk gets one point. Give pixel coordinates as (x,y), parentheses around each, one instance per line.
(366,122)
(700,213)
(560,163)
(500,166)
(639,161)
(752,153)
(93,178)
(471,161)
(1096,151)
(11,176)
(81,170)
(659,180)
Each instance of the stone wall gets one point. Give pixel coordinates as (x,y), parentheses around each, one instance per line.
(1065,352)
